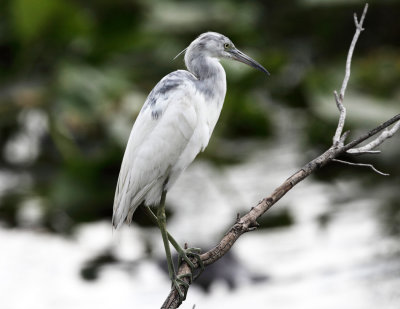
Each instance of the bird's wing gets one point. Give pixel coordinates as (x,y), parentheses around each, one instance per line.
(160,134)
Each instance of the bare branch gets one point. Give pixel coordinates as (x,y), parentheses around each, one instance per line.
(340,97)
(373,132)
(247,222)
(359,28)
(343,138)
(363,152)
(361,164)
(359,24)
(342,118)
(388,133)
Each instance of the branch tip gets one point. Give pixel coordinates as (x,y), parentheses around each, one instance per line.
(355,19)
(343,138)
(363,165)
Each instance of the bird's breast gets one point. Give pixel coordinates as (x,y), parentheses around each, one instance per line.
(208,111)
(213,106)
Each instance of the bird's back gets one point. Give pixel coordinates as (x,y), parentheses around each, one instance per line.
(169,132)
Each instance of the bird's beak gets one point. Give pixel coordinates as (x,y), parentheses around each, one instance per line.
(239,56)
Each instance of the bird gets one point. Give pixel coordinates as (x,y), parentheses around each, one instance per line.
(174,125)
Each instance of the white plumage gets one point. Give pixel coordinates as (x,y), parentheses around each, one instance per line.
(174,125)
(165,139)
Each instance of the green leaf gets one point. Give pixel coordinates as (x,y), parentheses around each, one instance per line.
(60,18)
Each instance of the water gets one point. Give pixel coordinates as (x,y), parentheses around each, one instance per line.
(335,255)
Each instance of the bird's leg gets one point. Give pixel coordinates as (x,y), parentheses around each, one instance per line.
(177,282)
(183,253)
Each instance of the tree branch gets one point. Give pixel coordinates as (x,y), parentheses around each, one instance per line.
(340,97)
(248,222)
(388,133)
(361,164)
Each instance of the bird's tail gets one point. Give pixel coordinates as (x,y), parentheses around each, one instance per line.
(126,204)
(121,204)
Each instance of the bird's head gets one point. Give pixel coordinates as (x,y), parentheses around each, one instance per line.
(215,45)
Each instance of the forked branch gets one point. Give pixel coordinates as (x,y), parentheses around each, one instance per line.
(340,97)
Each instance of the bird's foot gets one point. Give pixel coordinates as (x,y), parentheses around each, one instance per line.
(181,286)
(186,254)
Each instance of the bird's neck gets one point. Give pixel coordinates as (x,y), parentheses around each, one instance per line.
(211,77)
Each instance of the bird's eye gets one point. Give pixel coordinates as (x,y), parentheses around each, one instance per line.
(226,45)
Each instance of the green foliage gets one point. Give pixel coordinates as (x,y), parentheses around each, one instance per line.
(87,66)
(379,73)
(55,19)
(244,118)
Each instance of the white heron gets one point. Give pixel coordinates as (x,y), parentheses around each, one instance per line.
(173,126)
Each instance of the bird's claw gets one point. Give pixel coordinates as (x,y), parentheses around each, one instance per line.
(191,252)
(177,283)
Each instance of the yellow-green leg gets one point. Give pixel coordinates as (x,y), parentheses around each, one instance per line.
(177,282)
(160,220)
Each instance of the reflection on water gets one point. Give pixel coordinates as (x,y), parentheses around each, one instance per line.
(335,254)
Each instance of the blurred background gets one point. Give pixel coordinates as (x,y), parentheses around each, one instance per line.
(73,77)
